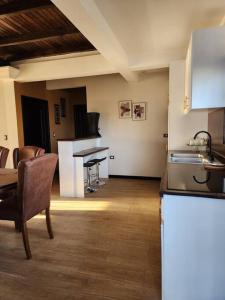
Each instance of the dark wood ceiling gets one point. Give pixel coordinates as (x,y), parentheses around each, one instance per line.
(36,28)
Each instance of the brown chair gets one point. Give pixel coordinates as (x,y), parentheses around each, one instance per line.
(4,152)
(35,178)
(26,152)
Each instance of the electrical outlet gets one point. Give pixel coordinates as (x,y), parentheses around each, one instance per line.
(112,157)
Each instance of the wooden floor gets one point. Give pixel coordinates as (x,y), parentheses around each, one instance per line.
(106,247)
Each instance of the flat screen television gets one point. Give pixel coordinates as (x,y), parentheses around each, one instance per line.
(92,124)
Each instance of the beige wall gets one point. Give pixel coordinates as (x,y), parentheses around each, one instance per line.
(182,126)
(38,90)
(138,146)
(8,122)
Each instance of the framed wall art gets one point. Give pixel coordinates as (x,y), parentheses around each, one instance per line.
(125,109)
(139,111)
(63,107)
(57,113)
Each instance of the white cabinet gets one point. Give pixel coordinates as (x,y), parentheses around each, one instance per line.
(193,248)
(205,69)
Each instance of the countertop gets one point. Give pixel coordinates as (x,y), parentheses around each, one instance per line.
(192,180)
(89,151)
(78,139)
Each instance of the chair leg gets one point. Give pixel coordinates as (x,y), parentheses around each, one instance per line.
(26,240)
(48,223)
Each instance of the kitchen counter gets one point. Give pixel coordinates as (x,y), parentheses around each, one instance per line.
(192,180)
(192,228)
(90,151)
(78,139)
(72,156)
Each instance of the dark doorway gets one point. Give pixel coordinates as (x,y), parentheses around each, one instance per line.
(36,123)
(80,120)
(79,95)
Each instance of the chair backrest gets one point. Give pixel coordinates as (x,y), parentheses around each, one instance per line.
(3,156)
(25,153)
(35,178)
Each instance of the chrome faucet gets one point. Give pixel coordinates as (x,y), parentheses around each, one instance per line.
(211,157)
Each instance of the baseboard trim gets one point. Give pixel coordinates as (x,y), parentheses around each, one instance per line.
(135,177)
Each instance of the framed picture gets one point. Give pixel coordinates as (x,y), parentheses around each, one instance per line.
(125,109)
(63,107)
(57,113)
(139,111)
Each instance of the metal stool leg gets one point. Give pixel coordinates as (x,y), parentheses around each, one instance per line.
(89,189)
(97,173)
(98,181)
(95,162)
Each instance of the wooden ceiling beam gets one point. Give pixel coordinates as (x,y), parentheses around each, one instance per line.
(16,8)
(15,56)
(37,37)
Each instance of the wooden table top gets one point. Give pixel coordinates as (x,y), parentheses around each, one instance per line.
(7,177)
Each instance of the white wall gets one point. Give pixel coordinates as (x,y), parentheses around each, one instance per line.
(67,67)
(138,146)
(8,119)
(3,126)
(181,126)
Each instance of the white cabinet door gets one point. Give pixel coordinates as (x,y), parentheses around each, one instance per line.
(193,264)
(207,85)
(162,248)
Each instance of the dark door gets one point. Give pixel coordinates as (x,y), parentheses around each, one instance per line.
(36,122)
(80,120)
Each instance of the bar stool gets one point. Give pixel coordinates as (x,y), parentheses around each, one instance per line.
(98,161)
(89,164)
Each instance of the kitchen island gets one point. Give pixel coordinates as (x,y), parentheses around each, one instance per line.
(73,153)
(192,232)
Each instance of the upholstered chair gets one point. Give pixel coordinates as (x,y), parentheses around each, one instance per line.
(35,177)
(26,152)
(4,152)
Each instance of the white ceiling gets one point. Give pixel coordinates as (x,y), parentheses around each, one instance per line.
(156,31)
(138,35)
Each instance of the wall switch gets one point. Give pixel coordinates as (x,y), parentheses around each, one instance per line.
(112,157)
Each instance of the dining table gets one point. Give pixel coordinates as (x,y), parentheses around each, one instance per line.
(8,180)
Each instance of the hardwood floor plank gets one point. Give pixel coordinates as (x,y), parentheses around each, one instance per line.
(106,247)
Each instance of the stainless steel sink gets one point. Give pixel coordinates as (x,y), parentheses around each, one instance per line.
(187,155)
(186,158)
(192,158)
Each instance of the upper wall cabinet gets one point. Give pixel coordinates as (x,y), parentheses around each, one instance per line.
(205,69)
